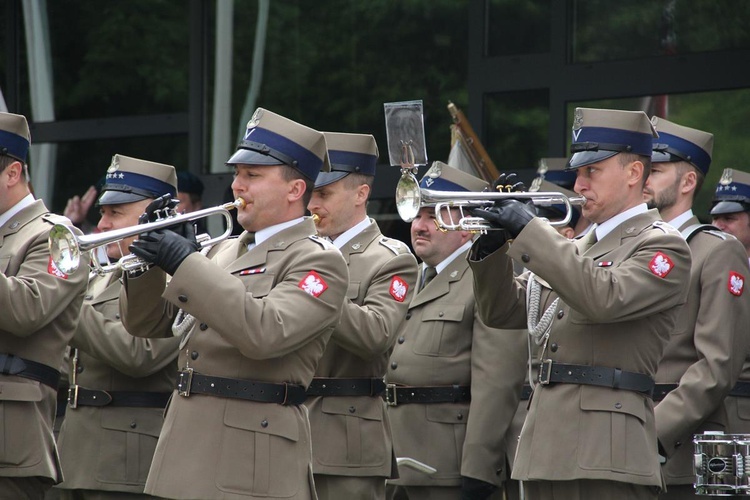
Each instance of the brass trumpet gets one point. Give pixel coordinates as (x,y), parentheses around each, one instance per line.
(410,198)
(66,248)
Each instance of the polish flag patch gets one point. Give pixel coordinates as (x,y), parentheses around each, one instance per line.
(54,270)
(313,284)
(661,265)
(604,263)
(736,283)
(257,270)
(399,288)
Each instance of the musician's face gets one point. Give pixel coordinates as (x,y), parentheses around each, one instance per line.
(339,205)
(117,217)
(268,196)
(430,244)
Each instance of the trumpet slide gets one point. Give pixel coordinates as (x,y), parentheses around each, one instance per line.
(66,247)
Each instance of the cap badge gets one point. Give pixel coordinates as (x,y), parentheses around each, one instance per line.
(536,184)
(255,120)
(114,165)
(726,177)
(578,119)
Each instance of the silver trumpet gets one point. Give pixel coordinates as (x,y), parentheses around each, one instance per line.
(66,248)
(410,198)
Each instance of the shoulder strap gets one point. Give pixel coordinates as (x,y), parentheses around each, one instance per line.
(691,231)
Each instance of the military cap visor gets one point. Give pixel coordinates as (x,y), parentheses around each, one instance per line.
(729,207)
(326,178)
(583,158)
(111,197)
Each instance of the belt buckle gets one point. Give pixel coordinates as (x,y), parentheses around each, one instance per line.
(73,396)
(545,370)
(184,381)
(390,395)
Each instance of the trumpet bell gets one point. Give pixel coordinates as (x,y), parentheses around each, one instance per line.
(408,197)
(64,249)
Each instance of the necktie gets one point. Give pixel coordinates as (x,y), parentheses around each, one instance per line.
(245,240)
(429,273)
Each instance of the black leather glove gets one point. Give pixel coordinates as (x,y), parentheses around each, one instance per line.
(511,215)
(158,209)
(475,489)
(491,241)
(165,248)
(506,183)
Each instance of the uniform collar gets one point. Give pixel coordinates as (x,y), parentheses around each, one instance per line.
(268,232)
(350,233)
(606,227)
(446,262)
(8,215)
(681,219)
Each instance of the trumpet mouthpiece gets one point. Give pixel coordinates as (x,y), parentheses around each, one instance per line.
(316,219)
(239,204)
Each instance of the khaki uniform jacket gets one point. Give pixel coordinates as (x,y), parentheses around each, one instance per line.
(614,311)
(38,316)
(701,354)
(253,321)
(110,448)
(352,435)
(443,342)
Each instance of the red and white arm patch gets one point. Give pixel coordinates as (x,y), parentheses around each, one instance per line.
(399,288)
(661,265)
(313,284)
(54,270)
(736,283)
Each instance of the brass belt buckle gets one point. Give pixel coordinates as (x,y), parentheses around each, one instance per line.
(184,381)
(390,395)
(73,396)
(545,370)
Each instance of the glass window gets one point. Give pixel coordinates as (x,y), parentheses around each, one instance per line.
(606,30)
(517,129)
(515,27)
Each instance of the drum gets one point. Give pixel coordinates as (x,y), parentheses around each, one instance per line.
(722,464)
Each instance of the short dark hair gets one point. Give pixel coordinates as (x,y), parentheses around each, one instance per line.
(353,180)
(292,174)
(627,158)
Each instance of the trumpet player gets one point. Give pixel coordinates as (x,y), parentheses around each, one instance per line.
(351,434)
(38,315)
(119,384)
(256,314)
(454,383)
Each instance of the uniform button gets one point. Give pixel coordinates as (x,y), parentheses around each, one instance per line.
(618,405)
(560,314)
(194,355)
(408,315)
(264,424)
(401,340)
(182,298)
(203,327)
(133,425)
(553,347)
(394,365)
(441,314)
(352,409)
(460,416)
(677,444)
(88,297)
(117,316)
(79,368)
(525,257)
(499,471)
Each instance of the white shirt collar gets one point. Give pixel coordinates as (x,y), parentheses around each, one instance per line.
(25,202)
(267,232)
(681,219)
(350,233)
(459,251)
(607,226)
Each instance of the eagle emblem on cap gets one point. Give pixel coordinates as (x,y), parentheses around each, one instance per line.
(578,119)
(542,167)
(435,171)
(114,165)
(726,177)
(255,119)
(536,184)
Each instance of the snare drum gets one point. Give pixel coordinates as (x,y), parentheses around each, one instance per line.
(722,464)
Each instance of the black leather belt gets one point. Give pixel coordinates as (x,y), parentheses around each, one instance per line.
(322,386)
(398,395)
(661,390)
(189,382)
(78,396)
(602,376)
(13,365)
(526,392)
